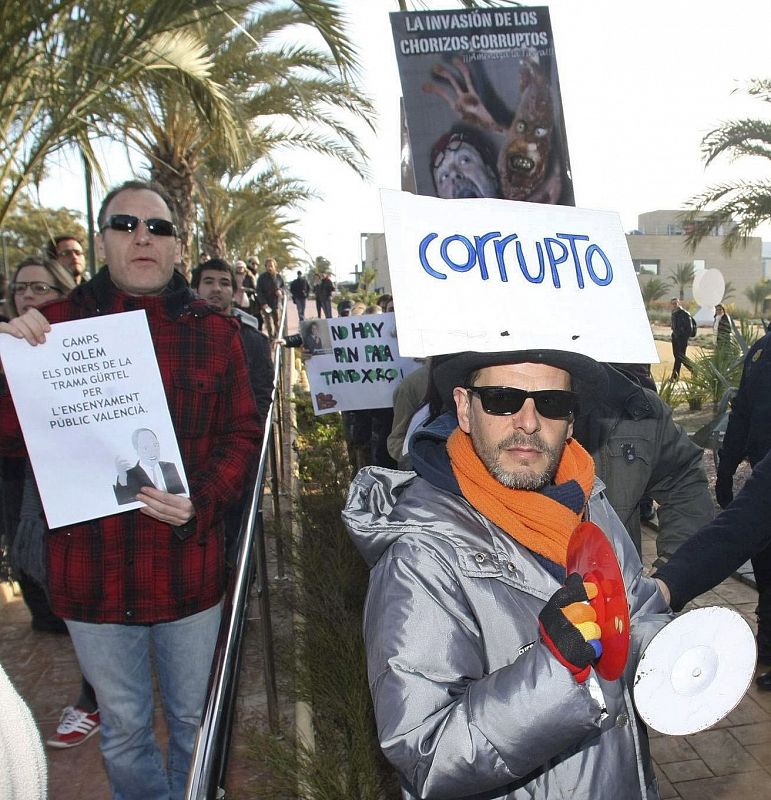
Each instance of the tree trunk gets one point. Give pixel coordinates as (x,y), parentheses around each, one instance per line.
(213,243)
(177,176)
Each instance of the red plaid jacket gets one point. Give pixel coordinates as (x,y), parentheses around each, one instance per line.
(130,568)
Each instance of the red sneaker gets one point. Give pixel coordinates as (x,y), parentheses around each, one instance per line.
(75,726)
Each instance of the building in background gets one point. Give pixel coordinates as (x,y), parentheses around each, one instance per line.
(374,256)
(658,246)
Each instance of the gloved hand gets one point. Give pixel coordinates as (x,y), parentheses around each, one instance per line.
(724,487)
(569,628)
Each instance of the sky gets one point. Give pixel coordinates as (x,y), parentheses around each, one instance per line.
(641,84)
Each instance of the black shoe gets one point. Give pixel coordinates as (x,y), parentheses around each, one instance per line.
(763,681)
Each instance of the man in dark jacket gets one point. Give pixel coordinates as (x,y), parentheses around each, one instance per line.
(299,288)
(152,578)
(324,292)
(681,332)
(639,450)
(215,283)
(748,435)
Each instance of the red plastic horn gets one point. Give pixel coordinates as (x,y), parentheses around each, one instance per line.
(591,556)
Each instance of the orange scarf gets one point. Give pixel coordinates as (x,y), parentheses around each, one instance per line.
(538,522)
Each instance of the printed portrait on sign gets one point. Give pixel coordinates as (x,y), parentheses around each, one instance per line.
(315,335)
(148,470)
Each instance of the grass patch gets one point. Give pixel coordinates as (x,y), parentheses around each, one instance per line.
(330,673)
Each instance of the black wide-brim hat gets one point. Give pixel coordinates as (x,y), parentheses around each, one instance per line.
(588,377)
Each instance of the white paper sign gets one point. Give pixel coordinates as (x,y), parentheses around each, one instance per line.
(94,415)
(354,362)
(493,275)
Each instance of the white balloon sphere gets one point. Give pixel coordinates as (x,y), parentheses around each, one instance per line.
(708,287)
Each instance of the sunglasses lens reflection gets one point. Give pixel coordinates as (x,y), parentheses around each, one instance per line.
(126,223)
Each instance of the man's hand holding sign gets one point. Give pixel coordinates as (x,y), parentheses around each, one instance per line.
(31,325)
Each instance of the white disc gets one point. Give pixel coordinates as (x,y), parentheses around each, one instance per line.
(695,670)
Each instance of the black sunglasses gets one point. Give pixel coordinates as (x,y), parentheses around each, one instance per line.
(503,401)
(128,223)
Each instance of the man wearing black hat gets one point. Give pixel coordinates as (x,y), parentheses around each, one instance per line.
(481,649)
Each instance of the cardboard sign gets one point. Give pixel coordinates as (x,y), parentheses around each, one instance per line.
(94,416)
(483,105)
(354,362)
(495,275)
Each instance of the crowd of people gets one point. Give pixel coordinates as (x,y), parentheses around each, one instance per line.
(465,493)
(151,579)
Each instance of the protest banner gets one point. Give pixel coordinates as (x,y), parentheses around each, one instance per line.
(483,104)
(494,275)
(94,416)
(356,364)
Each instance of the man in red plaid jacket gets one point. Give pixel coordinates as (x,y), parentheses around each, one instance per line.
(153,578)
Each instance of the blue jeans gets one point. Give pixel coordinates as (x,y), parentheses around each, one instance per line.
(115,659)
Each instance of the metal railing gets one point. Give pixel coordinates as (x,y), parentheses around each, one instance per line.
(210,754)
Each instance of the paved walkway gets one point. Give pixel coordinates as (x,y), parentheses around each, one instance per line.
(733,759)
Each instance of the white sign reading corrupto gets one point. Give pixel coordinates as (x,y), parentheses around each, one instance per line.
(494,275)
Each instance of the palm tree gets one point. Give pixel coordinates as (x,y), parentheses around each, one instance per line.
(270,96)
(61,60)
(228,211)
(652,290)
(322,264)
(158,118)
(741,205)
(729,292)
(682,276)
(278,240)
(756,294)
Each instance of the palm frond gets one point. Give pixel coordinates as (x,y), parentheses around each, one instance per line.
(740,206)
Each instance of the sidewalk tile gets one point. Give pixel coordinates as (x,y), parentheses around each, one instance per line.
(685,771)
(755,733)
(722,753)
(668,749)
(755,785)
(761,753)
(666,790)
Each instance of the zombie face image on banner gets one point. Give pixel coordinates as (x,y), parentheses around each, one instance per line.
(463,166)
(483,105)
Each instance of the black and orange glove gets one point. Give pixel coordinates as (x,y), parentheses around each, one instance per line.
(569,628)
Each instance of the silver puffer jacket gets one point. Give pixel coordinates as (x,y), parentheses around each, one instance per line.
(469,703)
